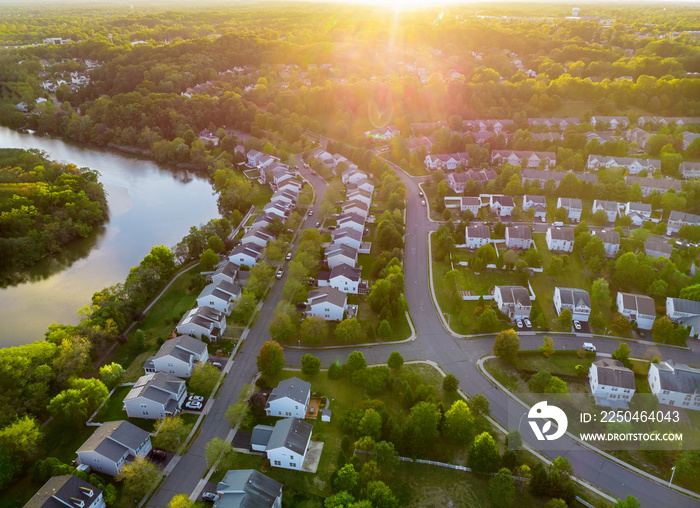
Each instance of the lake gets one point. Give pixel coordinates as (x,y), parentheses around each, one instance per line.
(149,204)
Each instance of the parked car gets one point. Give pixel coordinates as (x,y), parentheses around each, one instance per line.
(519,323)
(280,272)
(211,497)
(158,455)
(422,202)
(289,256)
(318,224)
(577,325)
(588,346)
(196,398)
(527,323)
(420,193)
(193,405)
(216,364)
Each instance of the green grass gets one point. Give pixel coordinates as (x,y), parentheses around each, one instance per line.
(112,410)
(562,362)
(262,196)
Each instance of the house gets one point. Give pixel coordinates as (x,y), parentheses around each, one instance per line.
(219,296)
(346,279)
(113,445)
(690,169)
(631,164)
(501,205)
(675,384)
(363,184)
(414,144)
(676,220)
(560,239)
(289,398)
(291,185)
(539,203)
(202,321)
(689,137)
(266,161)
(353,175)
(494,125)
(287,198)
(552,137)
(155,396)
(347,236)
(457,181)
(341,254)
(247,254)
(639,136)
(513,301)
(288,443)
(67,490)
(360,195)
(649,185)
(612,121)
(612,384)
(543,176)
(356,207)
(576,300)
(352,221)
(447,161)
(684,312)
(241,488)
(178,357)
(518,237)
(639,308)
(264,220)
(526,159)
(326,303)
(639,213)
(611,242)
(553,123)
(476,236)
(258,236)
(573,206)
(383,133)
(473,204)
(610,208)
(226,271)
(277,209)
(657,248)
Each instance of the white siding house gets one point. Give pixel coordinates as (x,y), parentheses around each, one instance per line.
(67,490)
(346,279)
(219,296)
(675,384)
(573,206)
(611,383)
(178,357)
(289,398)
(287,444)
(611,242)
(501,205)
(476,236)
(576,300)
(560,239)
(246,255)
(202,321)
(609,207)
(326,303)
(155,396)
(518,237)
(639,308)
(513,301)
(248,487)
(684,312)
(112,445)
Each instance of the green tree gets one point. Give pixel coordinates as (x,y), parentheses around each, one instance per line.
(138,476)
(78,402)
(313,331)
(556,385)
(348,331)
(208,261)
(514,440)
(310,365)
(539,381)
(370,424)
(380,495)
(459,422)
(181,501)
(112,374)
(342,499)
(450,383)
(507,345)
(215,449)
(622,353)
(270,359)
(479,406)
(599,218)
(386,457)
(483,454)
(172,433)
(487,322)
(203,379)
(384,330)
(356,361)
(628,502)
(565,318)
(282,326)
(395,360)
(346,479)
(600,291)
(547,347)
(244,307)
(502,489)
(423,423)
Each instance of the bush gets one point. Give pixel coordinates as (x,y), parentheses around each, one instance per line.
(335,371)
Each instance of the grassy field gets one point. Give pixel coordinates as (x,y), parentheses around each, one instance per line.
(112,410)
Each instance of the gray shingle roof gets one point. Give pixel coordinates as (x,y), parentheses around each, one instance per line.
(613,373)
(327,294)
(515,295)
(181,345)
(349,272)
(247,488)
(290,433)
(612,237)
(641,304)
(522,232)
(559,233)
(678,377)
(294,388)
(687,306)
(67,488)
(261,435)
(111,439)
(478,232)
(574,296)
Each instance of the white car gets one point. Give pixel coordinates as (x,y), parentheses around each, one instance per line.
(280,272)
(527,323)
(196,398)
(289,256)
(318,224)
(212,497)
(420,193)
(422,202)
(577,325)
(588,346)
(193,405)
(519,322)
(216,364)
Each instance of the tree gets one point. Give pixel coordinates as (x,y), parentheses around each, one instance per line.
(282,326)
(600,291)
(561,215)
(423,423)
(215,449)
(79,401)
(384,330)
(386,458)
(556,503)
(203,379)
(346,479)
(539,381)
(487,322)
(599,218)
(507,345)
(450,383)
(270,359)
(459,422)
(181,501)
(313,331)
(556,385)
(244,307)
(564,319)
(628,502)
(208,261)
(172,432)
(547,347)
(236,412)
(380,495)
(342,499)
(483,454)
(370,424)
(620,325)
(348,331)
(502,489)
(138,476)
(479,406)
(356,361)
(514,440)
(622,353)
(310,365)
(112,374)
(395,360)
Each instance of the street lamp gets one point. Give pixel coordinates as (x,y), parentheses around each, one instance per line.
(673,471)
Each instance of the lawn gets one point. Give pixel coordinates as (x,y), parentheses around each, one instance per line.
(560,363)
(112,410)
(262,195)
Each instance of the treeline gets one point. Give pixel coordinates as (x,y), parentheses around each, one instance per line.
(44,206)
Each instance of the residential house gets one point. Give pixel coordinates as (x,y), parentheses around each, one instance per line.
(482,176)
(414,144)
(447,161)
(113,445)
(553,123)
(574,299)
(612,121)
(473,204)
(291,185)
(202,321)
(360,195)
(257,236)
(357,207)
(495,125)
(288,443)
(525,159)
(219,296)
(457,181)
(501,205)
(611,208)
(689,137)
(254,157)
(246,255)
(518,237)
(352,221)
(679,219)
(364,184)
(639,308)
(289,398)
(560,239)
(476,236)
(665,120)
(326,303)
(684,312)
(573,207)
(543,176)
(649,185)
(631,164)
(347,236)
(178,357)
(155,396)
(277,209)
(690,169)
(287,198)
(657,248)
(552,137)
(266,161)
(675,384)
(346,279)
(341,254)
(241,488)
(639,213)
(353,176)
(612,384)
(226,271)
(639,136)
(67,490)
(611,242)
(383,133)
(513,301)
(264,220)
(539,203)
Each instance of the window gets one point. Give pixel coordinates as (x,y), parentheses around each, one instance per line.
(278,463)
(144,406)
(288,413)
(292,464)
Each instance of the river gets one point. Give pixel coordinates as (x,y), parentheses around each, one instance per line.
(149,205)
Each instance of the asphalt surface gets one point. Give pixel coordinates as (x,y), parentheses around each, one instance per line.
(458,356)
